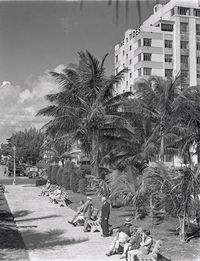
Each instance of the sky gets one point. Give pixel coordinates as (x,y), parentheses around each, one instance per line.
(40,36)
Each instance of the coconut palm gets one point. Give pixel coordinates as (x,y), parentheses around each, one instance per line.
(86,107)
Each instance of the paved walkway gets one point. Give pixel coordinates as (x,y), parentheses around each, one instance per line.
(45,230)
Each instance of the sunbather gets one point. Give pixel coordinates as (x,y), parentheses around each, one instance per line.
(145,246)
(46,189)
(79,216)
(56,194)
(121,238)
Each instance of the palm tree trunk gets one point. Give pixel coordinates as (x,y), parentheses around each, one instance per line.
(198,153)
(94,155)
(161,155)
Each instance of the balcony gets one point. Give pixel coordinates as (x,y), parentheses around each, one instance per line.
(184,51)
(184,36)
(184,66)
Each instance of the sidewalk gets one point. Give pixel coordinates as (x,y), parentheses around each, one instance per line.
(45,230)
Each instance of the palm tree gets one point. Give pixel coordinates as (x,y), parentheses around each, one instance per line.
(186,113)
(86,106)
(153,101)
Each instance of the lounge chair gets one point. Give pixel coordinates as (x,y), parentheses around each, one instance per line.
(63,199)
(152,256)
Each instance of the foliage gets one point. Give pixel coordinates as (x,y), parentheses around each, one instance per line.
(49,171)
(82,184)
(66,178)
(74,180)
(59,176)
(28,145)
(54,172)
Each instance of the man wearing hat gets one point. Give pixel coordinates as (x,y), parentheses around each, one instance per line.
(121,238)
(105,213)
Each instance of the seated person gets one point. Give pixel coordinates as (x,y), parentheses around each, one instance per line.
(56,194)
(133,242)
(145,246)
(79,216)
(121,238)
(46,189)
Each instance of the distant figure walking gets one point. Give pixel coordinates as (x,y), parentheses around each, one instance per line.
(105,214)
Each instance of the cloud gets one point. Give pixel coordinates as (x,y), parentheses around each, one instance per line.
(18,106)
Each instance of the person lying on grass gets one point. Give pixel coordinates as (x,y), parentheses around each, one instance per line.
(56,194)
(122,237)
(78,218)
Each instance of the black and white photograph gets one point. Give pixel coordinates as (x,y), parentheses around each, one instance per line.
(100,130)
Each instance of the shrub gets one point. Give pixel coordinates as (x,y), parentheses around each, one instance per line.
(54,174)
(74,180)
(49,170)
(59,176)
(66,179)
(40,182)
(82,184)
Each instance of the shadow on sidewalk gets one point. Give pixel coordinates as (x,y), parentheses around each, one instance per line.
(22,213)
(49,239)
(38,218)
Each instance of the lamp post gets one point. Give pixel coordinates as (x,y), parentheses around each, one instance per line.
(14,167)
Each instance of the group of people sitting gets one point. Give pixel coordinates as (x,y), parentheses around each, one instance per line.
(53,195)
(132,241)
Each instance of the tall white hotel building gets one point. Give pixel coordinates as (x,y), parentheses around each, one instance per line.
(166,44)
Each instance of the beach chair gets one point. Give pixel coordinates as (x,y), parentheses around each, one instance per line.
(94,221)
(63,199)
(152,256)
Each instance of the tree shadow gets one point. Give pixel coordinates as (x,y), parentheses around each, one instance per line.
(21,213)
(38,218)
(50,239)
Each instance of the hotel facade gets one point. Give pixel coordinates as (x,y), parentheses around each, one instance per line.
(166,44)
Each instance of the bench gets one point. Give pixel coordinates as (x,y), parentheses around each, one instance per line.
(63,199)
(152,256)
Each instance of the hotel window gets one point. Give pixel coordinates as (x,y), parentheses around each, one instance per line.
(130,75)
(183,28)
(126,83)
(126,56)
(168,58)
(147,71)
(139,72)
(183,11)
(130,61)
(168,43)
(168,73)
(184,44)
(116,71)
(139,42)
(198,59)
(147,56)
(123,65)
(172,12)
(130,47)
(184,75)
(131,89)
(147,42)
(127,40)
(185,59)
(123,52)
(197,12)
(198,29)
(139,57)
(116,58)
(198,45)
(167,27)
(198,74)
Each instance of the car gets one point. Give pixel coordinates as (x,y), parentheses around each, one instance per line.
(33,172)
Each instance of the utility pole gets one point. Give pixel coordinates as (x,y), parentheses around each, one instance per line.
(14,167)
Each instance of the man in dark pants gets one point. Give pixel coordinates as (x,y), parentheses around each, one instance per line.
(105,213)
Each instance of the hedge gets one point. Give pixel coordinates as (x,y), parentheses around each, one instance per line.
(74,180)
(49,170)
(59,176)
(54,174)
(66,179)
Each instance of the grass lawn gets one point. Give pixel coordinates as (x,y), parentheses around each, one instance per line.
(172,247)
